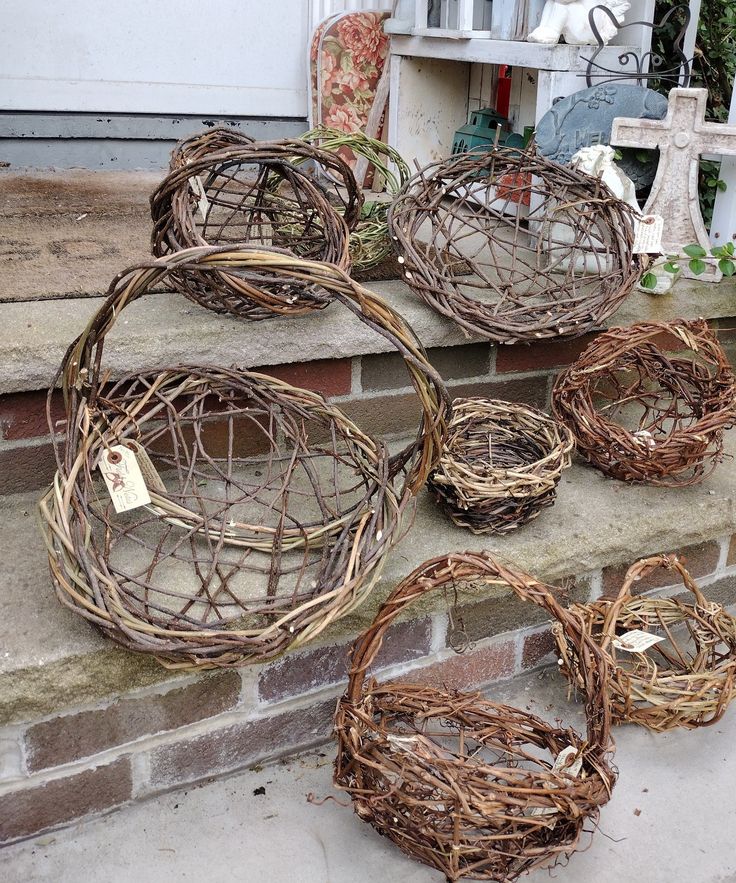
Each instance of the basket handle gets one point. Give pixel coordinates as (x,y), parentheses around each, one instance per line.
(482,566)
(638,570)
(80,369)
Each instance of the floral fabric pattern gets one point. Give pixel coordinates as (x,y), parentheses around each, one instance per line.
(347,57)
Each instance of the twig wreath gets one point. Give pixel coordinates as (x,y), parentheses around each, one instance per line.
(270,511)
(467,786)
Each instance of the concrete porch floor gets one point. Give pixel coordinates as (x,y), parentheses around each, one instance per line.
(672,818)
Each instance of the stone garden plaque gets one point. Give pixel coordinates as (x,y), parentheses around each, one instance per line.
(586,117)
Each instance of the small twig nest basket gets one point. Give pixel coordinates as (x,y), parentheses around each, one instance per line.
(271,512)
(641,413)
(500,464)
(549,248)
(251,193)
(370,242)
(687,680)
(456,781)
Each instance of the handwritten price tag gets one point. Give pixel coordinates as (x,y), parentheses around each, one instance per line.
(648,234)
(636,641)
(123,478)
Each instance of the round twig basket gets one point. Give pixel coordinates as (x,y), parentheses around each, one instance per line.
(641,413)
(500,464)
(549,248)
(270,511)
(370,242)
(687,679)
(251,193)
(456,781)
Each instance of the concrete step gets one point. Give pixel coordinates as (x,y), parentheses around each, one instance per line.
(79,713)
(667,820)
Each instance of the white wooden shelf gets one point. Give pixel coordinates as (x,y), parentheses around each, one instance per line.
(539,56)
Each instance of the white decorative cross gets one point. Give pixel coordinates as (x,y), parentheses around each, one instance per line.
(682,136)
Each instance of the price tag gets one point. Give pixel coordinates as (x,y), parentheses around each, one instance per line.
(568,761)
(636,641)
(648,234)
(197,187)
(123,478)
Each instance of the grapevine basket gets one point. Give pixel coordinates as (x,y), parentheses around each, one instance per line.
(225,189)
(456,781)
(271,512)
(640,412)
(548,248)
(686,680)
(500,464)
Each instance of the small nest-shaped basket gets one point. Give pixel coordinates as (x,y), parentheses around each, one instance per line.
(456,781)
(549,248)
(370,241)
(687,680)
(251,193)
(639,412)
(500,464)
(271,512)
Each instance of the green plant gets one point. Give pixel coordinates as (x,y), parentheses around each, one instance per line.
(697,262)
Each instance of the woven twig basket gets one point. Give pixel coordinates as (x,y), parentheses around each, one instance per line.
(456,781)
(251,193)
(549,248)
(687,680)
(500,464)
(641,413)
(271,512)
(370,241)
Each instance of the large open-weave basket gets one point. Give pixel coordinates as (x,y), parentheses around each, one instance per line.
(456,781)
(252,193)
(500,466)
(687,680)
(271,512)
(640,412)
(370,241)
(549,248)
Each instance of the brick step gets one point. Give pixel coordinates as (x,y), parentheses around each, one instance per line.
(86,726)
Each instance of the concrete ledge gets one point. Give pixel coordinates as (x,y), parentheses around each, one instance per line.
(51,659)
(165,329)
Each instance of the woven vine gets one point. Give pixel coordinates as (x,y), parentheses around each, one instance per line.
(549,248)
(457,781)
(641,412)
(251,193)
(686,680)
(271,512)
(500,464)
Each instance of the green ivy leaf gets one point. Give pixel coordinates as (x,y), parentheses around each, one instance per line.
(722,186)
(728,248)
(671,268)
(697,266)
(648,280)
(695,251)
(728,268)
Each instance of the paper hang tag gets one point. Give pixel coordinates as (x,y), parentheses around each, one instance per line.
(636,641)
(197,187)
(123,478)
(568,761)
(648,234)
(148,470)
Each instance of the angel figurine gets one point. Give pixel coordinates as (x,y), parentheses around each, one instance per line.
(569,19)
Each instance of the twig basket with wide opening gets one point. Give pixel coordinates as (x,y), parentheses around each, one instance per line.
(460,783)
(370,241)
(251,193)
(548,248)
(271,512)
(686,679)
(640,412)
(500,464)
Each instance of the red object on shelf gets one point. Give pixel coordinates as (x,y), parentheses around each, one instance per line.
(503,90)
